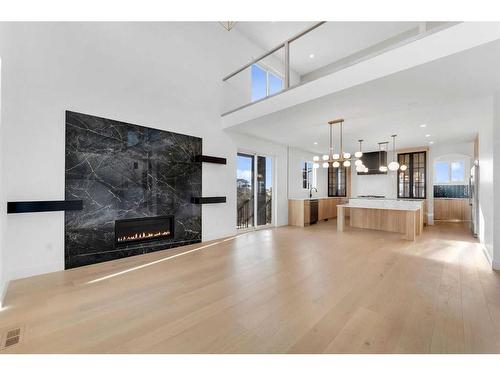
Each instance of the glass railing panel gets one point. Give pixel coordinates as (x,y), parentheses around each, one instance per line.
(322,49)
(258,81)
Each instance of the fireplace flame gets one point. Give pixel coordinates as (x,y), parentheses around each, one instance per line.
(143,235)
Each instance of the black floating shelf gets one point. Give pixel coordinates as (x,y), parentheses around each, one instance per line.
(205,200)
(43,206)
(210,159)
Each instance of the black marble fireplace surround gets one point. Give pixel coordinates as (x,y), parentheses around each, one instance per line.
(124,174)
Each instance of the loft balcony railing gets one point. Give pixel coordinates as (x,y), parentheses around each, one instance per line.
(316,52)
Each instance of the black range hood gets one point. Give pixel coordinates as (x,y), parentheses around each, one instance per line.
(372,161)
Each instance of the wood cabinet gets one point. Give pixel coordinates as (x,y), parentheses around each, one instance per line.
(327,208)
(299,210)
(451,209)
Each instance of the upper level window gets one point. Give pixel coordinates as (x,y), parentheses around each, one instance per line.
(449,172)
(264,82)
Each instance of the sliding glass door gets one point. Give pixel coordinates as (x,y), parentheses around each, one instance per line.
(254,189)
(245,190)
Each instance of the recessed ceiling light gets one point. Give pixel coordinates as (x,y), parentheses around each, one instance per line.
(315,143)
(423,126)
(311,56)
(431,142)
(427,135)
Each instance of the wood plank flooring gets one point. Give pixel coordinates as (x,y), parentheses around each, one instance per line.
(283,290)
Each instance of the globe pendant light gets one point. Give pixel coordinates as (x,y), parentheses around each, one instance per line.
(382,168)
(393,165)
(359,153)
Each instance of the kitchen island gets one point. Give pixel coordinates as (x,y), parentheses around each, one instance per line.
(391,215)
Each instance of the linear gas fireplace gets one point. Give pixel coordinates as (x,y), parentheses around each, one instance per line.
(143,229)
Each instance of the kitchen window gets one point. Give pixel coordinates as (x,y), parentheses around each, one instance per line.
(449,172)
(309,176)
(412,181)
(337,181)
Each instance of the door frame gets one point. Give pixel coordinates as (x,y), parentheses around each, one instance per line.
(254,182)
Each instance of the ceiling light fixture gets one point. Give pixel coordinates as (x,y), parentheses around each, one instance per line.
(359,153)
(228,25)
(393,165)
(381,168)
(336,159)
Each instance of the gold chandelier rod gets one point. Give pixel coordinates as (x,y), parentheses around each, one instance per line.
(332,122)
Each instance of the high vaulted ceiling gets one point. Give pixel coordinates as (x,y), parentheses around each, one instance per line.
(449,95)
(328,43)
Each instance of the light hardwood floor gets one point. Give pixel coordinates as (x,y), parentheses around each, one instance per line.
(285,290)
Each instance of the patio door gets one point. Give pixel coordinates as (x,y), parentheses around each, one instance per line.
(254,189)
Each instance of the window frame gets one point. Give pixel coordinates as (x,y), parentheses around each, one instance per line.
(309,175)
(410,170)
(337,191)
(306,173)
(268,70)
(449,161)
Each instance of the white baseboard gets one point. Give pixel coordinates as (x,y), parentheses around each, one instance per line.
(488,256)
(430,218)
(495,265)
(3,292)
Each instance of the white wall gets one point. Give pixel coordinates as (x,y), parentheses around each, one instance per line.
(2,204)
(496,181)
(161,75)
(297,157)
(486,187)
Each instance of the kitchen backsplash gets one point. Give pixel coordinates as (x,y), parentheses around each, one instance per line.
(451,191)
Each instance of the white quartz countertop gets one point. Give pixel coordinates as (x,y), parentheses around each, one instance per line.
(373,207)
(314,198)
(384,204)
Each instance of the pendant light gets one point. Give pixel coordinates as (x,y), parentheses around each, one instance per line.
(359,154)
(342,158)
(330,155)
(393,165)
(382,168)
(345,155)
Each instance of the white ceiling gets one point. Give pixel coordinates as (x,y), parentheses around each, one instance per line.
(447,95)
(329,42)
